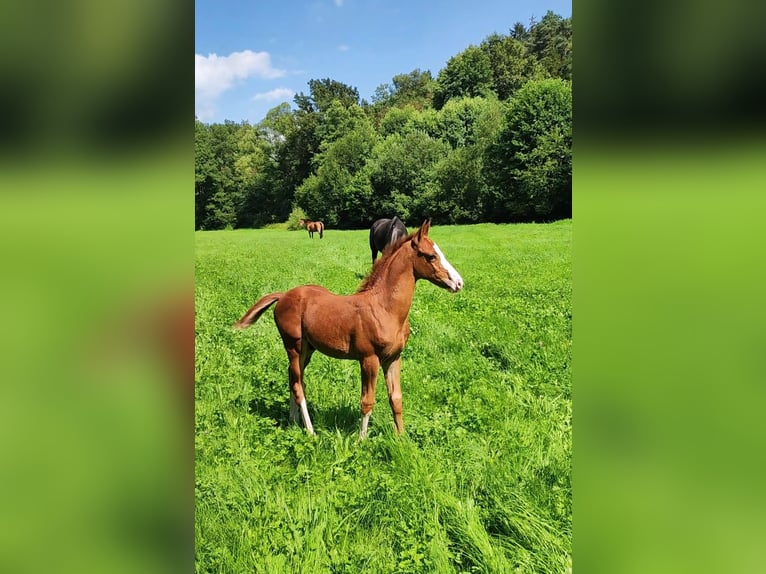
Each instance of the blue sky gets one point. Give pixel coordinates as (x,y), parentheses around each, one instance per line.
(252,55)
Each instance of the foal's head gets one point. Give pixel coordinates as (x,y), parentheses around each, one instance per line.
(431,264)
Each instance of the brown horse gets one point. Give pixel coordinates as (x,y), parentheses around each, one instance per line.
(313,226)
(370,326)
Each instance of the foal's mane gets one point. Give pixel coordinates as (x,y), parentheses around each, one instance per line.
(373,277)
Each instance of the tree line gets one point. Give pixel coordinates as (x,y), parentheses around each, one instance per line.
(488,139)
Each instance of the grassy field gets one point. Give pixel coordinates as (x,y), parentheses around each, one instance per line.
(480,482)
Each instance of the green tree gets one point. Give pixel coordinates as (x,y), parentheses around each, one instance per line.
(339,192)
(337,121)
(250,164)
(457,194)
(426,121)
(467,74)
(414,89)
(529,167)
(511,63)
(295,155)
(398,121)
(458,120)
(205,173)
(550,41)
(519,32)
(278,122)
(323,93)
(444,148)
(294,219)
(216,182)
(460,193)
(401,170)
(262,166)
(407,119)
(220,212)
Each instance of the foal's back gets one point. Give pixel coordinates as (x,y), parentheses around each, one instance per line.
(340,326)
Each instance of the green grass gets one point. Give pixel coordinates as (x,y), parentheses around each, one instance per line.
(480,482)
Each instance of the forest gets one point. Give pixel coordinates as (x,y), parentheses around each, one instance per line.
(489,139)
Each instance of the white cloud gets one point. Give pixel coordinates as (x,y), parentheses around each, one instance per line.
(275,94)
(204,111)
(215,74)
(339,3)
(343,48)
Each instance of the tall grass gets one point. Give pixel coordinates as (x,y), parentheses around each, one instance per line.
(480,482)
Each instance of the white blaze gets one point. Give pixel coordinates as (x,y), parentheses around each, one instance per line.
(457,280)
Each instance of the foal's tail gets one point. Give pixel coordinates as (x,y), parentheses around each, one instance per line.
(254,312)
(321,230)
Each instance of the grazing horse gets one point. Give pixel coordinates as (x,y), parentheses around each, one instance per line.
(384,232)
(313,226)
(370,326)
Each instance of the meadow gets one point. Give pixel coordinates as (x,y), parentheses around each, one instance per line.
(481,479)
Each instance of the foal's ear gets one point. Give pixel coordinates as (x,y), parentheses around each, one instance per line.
(422,232)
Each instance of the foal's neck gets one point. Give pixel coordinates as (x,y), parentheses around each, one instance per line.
(396,287)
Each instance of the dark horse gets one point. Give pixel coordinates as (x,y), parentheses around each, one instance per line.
(370,326)
(313,226)
(384,232)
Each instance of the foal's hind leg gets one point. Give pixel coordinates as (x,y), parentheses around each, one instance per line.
(391,371)
(298,362)
(304,359)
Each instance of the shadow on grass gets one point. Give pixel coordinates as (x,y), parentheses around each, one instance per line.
(496,354)
(279,412)
(345,418)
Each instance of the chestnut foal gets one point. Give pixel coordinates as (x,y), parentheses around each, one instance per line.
(369,326)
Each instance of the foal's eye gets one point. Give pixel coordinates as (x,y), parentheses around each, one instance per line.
(429,257)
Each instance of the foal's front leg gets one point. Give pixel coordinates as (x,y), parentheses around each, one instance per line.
(370,367)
